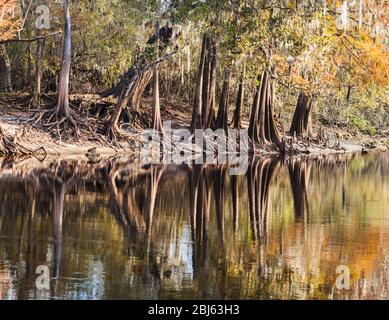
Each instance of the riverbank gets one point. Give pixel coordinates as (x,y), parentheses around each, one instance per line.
(15,125)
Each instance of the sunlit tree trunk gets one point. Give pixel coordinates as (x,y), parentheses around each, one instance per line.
(130,89)
(63,84)
(262,128)
(237,122)
(38,68)
(209,85)
(197,122)
(156,116)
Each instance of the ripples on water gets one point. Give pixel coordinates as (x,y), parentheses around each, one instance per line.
(115,231)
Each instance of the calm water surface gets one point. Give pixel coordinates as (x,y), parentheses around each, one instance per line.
(113,230)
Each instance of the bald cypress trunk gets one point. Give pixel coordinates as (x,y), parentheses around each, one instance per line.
(222,115)
(197,122)
(237,122)
(302,123)
(262,128)
(211,113)
(204,114)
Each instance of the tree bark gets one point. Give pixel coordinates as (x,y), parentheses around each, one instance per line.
(38,68)
(134,82)
(5,70)
(205,96)
(302,123)
(237,122)
(262,128)
(165,36)
(198,100)
(156,121)
(222,116)
(211,113)
(63,85)
(209,85)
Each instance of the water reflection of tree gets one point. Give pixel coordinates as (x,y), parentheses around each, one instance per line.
(259,177)
(299,173)
(58,182)
(136,213)
(123,203)
(199,206)
(226,262)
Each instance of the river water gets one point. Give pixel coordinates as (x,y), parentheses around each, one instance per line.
(114,230)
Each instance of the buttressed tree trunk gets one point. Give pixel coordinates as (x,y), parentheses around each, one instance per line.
(222,115)
(205,96)
(262,128)
(237,122)
(5,70)
(302,123)
(63,85)
(198,100)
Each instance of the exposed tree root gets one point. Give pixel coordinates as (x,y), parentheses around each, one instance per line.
(10,147)
(63,126)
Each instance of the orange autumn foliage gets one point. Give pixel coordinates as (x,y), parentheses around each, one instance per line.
(9,18)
